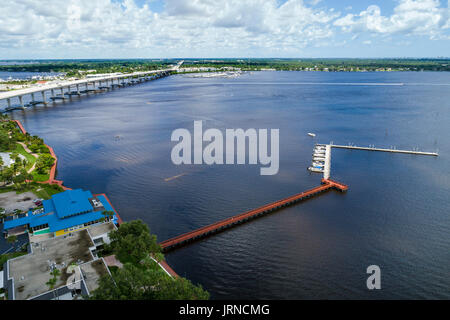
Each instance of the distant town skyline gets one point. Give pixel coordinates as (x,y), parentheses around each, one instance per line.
(105,29)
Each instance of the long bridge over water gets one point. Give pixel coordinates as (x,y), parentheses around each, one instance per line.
(65,89)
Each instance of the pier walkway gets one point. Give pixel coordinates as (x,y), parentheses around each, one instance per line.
(327,157)
(327,184)
(385,150)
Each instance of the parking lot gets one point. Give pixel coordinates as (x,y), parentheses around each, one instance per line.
(23,201)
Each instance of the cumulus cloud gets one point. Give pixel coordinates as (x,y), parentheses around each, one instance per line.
(183,23)
(195,27)
(410,17)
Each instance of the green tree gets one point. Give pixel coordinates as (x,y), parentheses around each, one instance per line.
(12,240)
(132,242)
(2,163)
(5,141)
(136,283)
(52,281)
(179,289)
(108,214)
(44,162)
(34,148)
(20,178)
(7,175)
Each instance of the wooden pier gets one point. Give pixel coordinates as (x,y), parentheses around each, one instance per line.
(327,184)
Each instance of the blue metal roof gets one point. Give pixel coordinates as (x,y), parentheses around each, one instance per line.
(72,202)
(51,216)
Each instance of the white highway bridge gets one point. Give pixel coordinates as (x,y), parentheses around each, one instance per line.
(75,87)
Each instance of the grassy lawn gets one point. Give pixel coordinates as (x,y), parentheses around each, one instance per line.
(45,191)
(30,159)
(41,190)
(40,177)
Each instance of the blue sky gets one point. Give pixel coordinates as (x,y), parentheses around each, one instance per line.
(225,28)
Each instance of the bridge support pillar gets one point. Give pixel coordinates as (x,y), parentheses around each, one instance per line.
(78,89)
(43,97)
(9,102)
(32,97)
(53,93)
(21,101)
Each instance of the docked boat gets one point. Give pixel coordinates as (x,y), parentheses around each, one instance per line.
(313,169)
(318,165)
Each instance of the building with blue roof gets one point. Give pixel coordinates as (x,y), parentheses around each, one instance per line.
(65,212)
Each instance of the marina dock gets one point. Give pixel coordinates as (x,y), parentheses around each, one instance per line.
(385,150)
(324,164)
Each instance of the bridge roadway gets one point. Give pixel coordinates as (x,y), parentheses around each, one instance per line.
(8,95)
(327,184)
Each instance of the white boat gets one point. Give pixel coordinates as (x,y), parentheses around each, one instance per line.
(318,165)
(315,169)
(311,134)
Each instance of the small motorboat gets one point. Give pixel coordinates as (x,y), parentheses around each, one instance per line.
(319,164)
(311,134)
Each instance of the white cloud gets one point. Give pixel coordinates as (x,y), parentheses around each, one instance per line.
(410,17)
(193,24)
(113,28)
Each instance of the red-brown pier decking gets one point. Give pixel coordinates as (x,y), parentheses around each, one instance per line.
(327,184)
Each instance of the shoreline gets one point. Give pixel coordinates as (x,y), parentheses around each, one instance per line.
(51,180)
(163,263)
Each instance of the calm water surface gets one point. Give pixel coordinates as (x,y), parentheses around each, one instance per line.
(394,215)
(5,75)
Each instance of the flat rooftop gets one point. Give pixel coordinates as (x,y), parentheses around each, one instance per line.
(96,230)
(92,272)
(32,271)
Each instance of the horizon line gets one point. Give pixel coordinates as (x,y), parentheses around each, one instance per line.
(241,58)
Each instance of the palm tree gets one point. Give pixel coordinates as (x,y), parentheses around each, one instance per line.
(108,214)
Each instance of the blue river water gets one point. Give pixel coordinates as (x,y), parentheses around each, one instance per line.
(24,75)
(394,215)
